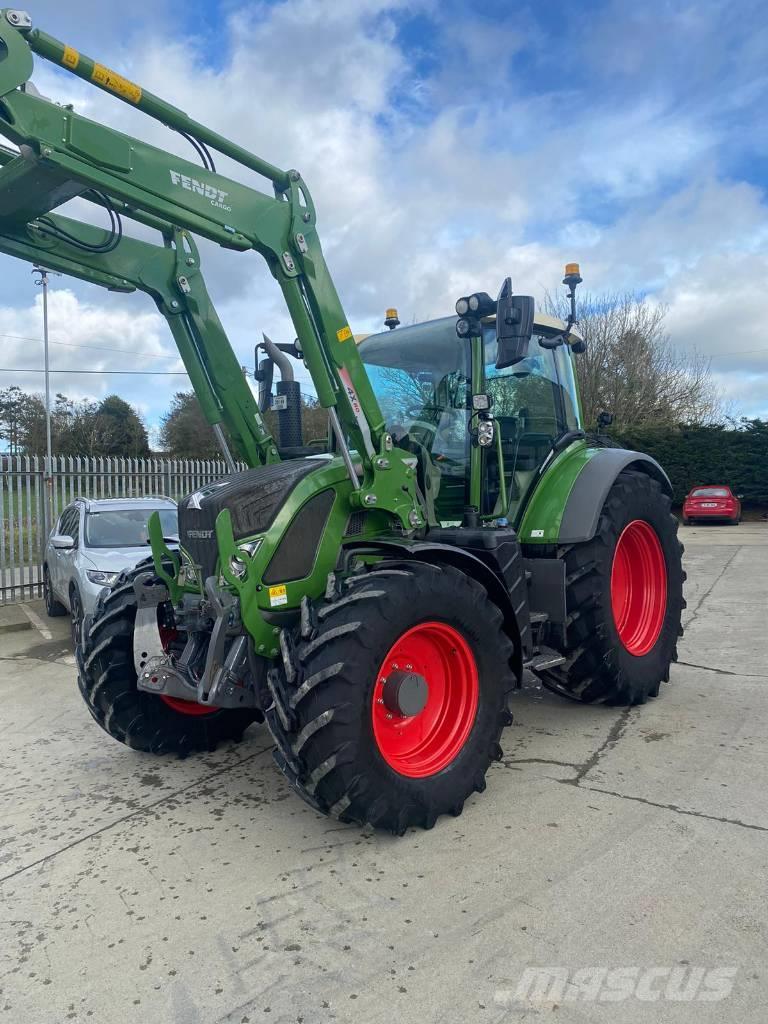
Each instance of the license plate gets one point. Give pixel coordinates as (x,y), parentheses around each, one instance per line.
(709,504)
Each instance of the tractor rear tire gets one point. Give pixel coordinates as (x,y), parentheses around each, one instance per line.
(354,755)
(142,721)
(624,599)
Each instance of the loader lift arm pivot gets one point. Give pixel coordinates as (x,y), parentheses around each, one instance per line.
(63,155)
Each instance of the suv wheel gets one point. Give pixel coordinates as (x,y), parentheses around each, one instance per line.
(53,608)
(76,610)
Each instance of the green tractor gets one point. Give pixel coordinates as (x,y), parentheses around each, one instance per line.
(376,599)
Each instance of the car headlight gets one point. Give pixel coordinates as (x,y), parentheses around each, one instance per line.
(106,579)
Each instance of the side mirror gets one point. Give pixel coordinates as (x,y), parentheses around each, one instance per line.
(605,419)
(62,542)
(514,326)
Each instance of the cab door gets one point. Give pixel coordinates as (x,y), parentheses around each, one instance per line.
(534,402)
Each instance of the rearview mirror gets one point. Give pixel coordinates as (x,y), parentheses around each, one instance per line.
(514,326)
(62,542)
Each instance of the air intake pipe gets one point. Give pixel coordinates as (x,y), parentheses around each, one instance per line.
(288,402)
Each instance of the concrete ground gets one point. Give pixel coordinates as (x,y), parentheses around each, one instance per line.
(203,891)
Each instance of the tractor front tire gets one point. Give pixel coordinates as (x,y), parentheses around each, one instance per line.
(143,721)
(624,599)
(392,697)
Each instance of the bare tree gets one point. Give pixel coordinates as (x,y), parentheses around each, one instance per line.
(632,369)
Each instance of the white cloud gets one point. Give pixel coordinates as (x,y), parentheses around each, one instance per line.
(428,184)
(85,337)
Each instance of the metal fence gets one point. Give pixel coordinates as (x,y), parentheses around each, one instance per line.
(31,500)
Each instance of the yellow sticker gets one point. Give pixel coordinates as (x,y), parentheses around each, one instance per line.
(71,58)
(277,596)
(344,333)
(116,83)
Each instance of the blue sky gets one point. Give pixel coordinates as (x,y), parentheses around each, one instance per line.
(446,145)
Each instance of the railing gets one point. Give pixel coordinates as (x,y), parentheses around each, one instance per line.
(31,501)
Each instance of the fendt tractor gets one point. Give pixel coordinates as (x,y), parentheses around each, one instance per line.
(377,598)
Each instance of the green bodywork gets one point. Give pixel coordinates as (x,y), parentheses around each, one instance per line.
(61,156)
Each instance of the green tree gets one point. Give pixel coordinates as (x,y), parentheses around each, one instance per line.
(185,432)
(734,453)
(119,429)
(110,427)
(22,418)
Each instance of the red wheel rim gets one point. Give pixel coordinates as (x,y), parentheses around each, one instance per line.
(638,587)
(425,743)
(184,707)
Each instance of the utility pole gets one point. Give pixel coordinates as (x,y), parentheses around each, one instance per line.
(48,474)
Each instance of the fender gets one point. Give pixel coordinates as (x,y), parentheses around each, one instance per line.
(433,553)
(588,494)
(566,503)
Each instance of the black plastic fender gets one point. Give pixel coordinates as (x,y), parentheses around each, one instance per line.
(588,494)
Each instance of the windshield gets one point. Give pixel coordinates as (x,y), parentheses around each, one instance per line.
(126,528)
(710,492)
(421,378)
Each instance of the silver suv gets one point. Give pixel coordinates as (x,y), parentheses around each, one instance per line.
(91,544)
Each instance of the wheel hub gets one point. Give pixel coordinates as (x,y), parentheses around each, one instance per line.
(405,693)
(425,699)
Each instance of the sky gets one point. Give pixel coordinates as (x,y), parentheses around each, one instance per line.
(446,145)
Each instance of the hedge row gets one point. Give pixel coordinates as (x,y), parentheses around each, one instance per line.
(737,456)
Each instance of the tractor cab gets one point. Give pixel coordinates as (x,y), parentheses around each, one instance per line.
(425,377)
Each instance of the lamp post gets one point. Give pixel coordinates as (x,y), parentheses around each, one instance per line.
(42,279)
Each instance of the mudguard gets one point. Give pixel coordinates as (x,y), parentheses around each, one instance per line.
(566,503)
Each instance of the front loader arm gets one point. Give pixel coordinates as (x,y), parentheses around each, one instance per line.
(64,155)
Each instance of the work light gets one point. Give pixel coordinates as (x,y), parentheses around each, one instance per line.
(485,433)
(481,304)
(466,328)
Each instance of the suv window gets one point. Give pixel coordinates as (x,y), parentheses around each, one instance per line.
(69,524)
(126,528)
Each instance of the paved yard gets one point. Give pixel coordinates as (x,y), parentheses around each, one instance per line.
(203,891)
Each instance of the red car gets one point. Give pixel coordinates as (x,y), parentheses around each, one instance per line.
(712,503)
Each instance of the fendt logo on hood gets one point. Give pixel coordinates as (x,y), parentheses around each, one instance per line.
(199,534)
(215,195)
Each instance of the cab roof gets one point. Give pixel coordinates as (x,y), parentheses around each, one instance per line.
(543,323)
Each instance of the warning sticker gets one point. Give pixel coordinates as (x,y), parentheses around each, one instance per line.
(357,409)
(344,333)
(116,83)
(277,596)
(70,58)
